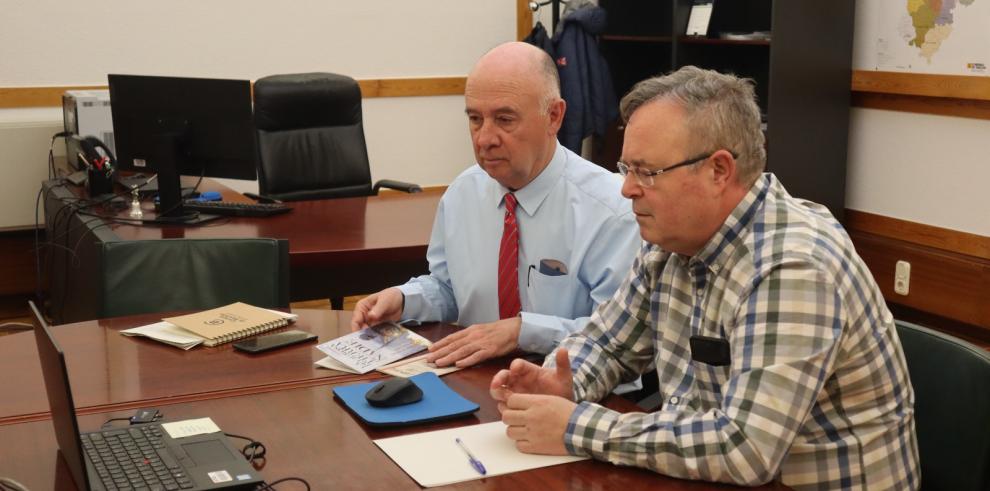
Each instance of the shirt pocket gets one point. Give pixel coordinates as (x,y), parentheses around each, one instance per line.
(552,295)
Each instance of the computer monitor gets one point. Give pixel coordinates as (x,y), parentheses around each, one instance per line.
(178,125)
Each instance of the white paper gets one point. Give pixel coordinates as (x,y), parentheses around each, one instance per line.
(286,315)
(167,333)
(190,427)
(330,363)
(415,366)
(433,459)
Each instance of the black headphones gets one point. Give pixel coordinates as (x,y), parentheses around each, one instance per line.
(89,146)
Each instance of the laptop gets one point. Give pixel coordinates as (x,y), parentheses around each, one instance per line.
(117,458)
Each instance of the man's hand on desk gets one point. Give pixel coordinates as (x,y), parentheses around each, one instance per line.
(536,404)
(476,343)
(376,308)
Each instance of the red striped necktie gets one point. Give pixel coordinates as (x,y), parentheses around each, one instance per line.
(508,263)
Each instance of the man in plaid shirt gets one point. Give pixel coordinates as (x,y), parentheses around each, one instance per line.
(776,354)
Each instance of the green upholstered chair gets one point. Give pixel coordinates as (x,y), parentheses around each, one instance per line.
(951,380)
(141,276)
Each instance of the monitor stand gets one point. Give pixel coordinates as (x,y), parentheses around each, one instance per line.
(168,149)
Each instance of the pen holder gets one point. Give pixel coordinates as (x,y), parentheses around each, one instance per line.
(99,182)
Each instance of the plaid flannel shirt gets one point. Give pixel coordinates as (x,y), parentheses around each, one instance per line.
(816,392)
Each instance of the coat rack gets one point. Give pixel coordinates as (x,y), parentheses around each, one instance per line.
(555,5)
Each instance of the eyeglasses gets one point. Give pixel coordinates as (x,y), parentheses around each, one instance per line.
(645,177)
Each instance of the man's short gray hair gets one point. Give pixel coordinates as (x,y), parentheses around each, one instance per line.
(721,112)
(551,81)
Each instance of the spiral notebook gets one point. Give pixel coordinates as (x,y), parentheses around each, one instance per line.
(230,322)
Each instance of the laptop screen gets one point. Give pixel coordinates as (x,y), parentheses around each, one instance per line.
(60,398)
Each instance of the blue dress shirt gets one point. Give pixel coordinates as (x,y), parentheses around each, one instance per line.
(571,215)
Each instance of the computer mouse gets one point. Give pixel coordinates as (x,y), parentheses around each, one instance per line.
(396,391)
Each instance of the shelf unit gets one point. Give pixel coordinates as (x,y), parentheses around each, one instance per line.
(802,75)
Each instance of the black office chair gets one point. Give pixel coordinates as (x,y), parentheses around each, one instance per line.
(141,276)
(311,139)
(951,380)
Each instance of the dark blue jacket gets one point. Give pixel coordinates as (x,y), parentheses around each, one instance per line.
(538,37)
(585,81)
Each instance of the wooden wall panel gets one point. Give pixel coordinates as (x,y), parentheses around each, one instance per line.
(946,95)
(12,97)
(918,233)
(924,84)
(950,270)
(945,284)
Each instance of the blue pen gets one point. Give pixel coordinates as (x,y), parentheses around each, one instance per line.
(474,461)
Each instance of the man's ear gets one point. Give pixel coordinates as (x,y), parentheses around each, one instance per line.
(723,168)
(556,114)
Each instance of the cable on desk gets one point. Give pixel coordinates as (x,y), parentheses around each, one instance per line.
(270,486)
(55,224)
(200,181)
(37,251)
(254,451)
(52,221)
(60,226)
(51,152)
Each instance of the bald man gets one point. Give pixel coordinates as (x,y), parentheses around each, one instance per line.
(574,233)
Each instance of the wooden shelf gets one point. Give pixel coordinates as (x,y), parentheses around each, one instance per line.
(648,37)
(722,42)
(636,39)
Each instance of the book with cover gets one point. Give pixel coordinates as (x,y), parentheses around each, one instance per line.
(701,15)
(213,327)
(365,350)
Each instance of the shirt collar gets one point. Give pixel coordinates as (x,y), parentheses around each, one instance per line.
(723,244)
(532,195)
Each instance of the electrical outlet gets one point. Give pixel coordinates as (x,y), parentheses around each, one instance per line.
(902,278)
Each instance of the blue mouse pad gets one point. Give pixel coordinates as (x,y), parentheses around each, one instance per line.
(439,402)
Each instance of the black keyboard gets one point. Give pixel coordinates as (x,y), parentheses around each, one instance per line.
(236,209)
(135,459)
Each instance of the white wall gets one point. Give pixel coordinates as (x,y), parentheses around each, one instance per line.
(916,167)
(419,139)
(921,168)
(53,42)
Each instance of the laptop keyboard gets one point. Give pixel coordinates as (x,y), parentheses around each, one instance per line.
(134,459)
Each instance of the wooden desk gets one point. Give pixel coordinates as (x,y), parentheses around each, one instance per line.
(310,435)
(109,371)
(337,247)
